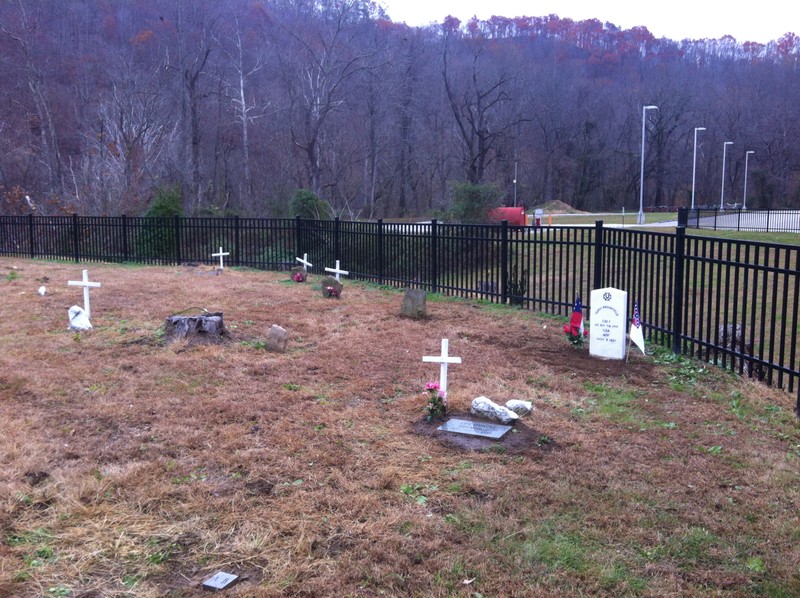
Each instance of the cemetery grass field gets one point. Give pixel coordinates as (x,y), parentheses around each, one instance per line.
(132,467)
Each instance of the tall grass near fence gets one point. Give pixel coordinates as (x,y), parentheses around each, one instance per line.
(729,302)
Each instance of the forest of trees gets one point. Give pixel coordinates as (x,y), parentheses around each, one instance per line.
(239,103)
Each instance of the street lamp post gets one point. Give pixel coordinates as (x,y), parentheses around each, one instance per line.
(694,161)
(640,219)
(722,193)
(515,183)
(746,160)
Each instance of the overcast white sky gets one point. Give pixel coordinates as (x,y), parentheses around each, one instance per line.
(746,20)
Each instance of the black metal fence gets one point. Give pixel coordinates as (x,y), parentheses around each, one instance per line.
(732,303)
(766,221)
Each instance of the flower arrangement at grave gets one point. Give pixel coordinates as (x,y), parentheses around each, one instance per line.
(332,292)
(299,277)
(437,401)
(575,330)
(575,335)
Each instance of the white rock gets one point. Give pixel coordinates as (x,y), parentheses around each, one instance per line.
(78,319)
(520,407)
(483,407)
(42,291)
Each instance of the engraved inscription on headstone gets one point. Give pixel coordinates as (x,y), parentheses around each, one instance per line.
(607,323)
(220,581)
(463,426)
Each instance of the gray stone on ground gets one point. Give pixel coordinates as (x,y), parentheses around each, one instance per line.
(484,407)
(277,338)
(209,327)
(520,407)
(415,304)
(329,282)
(78,319)
(299,270)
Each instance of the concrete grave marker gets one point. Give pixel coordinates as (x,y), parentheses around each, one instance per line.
(336,271)
(414,304)
(78,320)
(220,255)
(470,428)
(443,360)
(277,337)
(608,323)
(86,285)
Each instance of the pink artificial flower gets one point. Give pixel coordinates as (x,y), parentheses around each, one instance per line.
(432,386)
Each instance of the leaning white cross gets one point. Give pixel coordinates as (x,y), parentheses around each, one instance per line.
(85,284)
(443,360)
(304,261)
(336,271)
(219,255)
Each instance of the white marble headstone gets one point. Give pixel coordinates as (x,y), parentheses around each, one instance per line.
(607,322)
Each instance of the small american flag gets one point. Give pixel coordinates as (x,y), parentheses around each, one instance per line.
(637,337)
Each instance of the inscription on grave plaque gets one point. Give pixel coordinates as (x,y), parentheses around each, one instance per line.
(220,581)
(470,428)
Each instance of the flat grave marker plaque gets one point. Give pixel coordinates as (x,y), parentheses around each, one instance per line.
(463,426)
(220,581)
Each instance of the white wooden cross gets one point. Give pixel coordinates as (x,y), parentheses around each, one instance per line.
(336,271)
(219,255)
(304,261)
(442,360)
(85,284)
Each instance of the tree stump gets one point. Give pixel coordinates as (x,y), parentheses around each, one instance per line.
(200,328)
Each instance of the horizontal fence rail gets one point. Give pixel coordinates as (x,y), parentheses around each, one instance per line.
(766,221)
(727,302)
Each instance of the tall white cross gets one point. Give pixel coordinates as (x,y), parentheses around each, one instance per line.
(442,360)
(304,261)
(85,284)
(219,255)
(336,271)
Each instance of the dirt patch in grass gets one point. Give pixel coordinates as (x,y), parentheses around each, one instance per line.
(132,467)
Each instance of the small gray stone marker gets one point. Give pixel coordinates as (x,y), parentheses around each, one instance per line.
(470,428)
(277,337)
(414,304)
(220,581)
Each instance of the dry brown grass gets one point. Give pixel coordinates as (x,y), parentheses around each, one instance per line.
(133,468)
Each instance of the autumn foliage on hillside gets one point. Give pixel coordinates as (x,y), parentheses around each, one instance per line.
(241,103)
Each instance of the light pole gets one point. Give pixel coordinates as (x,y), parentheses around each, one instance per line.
(640,219)
(694,161)
(722,193)
(746,159)
(515,182)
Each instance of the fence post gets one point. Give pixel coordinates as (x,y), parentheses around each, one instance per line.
(177,225)
(236,237)
(298,245)
(503,262)
(336,255)
(677,284)
(124,238)
(76,249)
(433,257)
(597,278)
(380,250)
(30,235)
